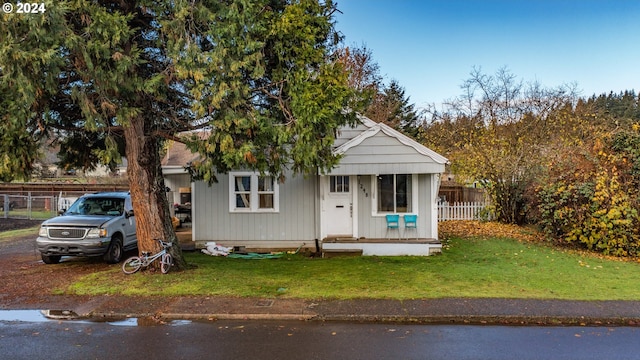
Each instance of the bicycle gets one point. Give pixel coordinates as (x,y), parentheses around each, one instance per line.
(135,263)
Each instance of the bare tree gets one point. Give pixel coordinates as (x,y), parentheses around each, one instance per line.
(497,134)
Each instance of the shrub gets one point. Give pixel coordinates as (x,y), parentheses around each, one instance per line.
(596,204)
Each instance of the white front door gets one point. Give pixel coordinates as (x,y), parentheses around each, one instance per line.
(338,206)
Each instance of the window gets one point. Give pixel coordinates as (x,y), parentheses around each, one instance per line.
(251,192)
(394,193)
(265,192)
(339,184)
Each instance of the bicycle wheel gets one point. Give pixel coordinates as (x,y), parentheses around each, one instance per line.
(165,263)
(132,265)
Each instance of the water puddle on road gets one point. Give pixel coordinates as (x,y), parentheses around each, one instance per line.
(71,316)
(22,315)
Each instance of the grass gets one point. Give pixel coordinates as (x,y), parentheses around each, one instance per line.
(33,214)
(9,235)
(468,267)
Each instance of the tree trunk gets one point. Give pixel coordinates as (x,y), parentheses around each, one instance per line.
(148,194)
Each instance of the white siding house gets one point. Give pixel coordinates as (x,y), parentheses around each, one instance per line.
(381,172)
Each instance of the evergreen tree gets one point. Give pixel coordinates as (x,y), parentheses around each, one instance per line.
(103,76)
(392,108)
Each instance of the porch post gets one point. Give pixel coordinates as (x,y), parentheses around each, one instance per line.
(435,188)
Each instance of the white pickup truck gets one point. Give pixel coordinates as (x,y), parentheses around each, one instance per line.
(100,224)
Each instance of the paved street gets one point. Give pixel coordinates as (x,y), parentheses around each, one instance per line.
(308,340)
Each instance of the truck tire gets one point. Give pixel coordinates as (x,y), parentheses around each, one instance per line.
(50,259)
(115,251)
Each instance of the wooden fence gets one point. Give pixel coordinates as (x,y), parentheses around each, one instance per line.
(464,211)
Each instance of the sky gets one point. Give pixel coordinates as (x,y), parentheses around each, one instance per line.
(430,47)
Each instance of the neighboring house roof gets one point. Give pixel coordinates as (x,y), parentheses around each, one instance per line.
(50,160)
(178,155)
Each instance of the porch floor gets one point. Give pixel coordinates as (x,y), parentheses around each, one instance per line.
(392,240)
(380,247)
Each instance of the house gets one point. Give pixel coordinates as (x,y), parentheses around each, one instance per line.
(381,172)
(47,166)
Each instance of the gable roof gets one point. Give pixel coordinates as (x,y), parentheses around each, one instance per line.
(376,148)
(374,128)
(367,148)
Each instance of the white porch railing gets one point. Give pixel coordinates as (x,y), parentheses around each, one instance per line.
(463,211)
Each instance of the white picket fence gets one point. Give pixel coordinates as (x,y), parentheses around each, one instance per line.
(463,211)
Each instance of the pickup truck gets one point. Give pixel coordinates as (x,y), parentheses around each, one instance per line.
(100,224)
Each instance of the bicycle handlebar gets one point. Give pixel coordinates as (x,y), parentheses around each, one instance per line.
(163,244)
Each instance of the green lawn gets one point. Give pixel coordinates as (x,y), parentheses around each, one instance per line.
(33,214)
(468,267)
(11,234)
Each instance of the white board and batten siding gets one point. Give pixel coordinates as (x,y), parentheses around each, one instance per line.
(374,225)
(347,133)
(291,226)
(374,152)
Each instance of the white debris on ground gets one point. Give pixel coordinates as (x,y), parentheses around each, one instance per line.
(213,249)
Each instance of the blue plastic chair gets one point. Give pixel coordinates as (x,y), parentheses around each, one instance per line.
(410,223)
(393,223)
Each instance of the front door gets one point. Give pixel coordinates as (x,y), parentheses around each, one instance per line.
(338,206)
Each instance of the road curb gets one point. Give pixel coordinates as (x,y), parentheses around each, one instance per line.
(503,320)
(296,317)
(486,320)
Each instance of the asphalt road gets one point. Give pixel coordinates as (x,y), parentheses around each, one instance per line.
(309,340)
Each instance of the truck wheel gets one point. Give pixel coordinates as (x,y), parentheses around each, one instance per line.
(114,254)
(50,259)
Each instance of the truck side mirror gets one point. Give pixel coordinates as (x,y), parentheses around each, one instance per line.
(128,213)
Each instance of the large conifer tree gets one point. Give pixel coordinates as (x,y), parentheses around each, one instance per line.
(124,76)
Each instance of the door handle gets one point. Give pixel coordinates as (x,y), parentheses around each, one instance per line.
(340,206)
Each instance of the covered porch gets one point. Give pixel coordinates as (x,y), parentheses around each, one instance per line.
(382,174)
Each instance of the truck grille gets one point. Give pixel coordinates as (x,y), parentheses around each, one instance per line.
(67,233)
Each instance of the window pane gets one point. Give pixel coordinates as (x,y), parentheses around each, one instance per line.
(243,183)
(339,184)
(242,201)
(266,201)
(403,193)
(265,183)
(385,193)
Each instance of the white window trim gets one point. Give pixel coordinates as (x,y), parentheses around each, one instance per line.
(374,196)
(253,196)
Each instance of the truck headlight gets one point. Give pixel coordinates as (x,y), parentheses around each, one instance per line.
(97,233)
(43,232)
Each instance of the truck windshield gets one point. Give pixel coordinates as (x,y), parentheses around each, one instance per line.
(97,206)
